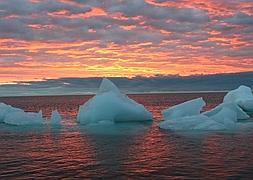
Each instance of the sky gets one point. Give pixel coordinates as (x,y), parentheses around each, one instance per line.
(54,39)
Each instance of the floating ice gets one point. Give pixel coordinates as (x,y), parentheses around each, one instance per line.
(109,105)
(55,118)
(15,116)
(227,117)
(196,122)
(240,114)
(186,116)
(241,96)
(188,108)
(24,118)
(6,109)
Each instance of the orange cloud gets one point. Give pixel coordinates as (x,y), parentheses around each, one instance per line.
(97,41)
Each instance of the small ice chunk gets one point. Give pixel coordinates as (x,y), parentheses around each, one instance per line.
(112,106)
(6,109)
(240,114)
(241,96)
(196,122)
(24,118)
(188,108)
(55,118)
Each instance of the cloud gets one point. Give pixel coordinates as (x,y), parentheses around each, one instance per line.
(27,7)
(240,18)
(123,38)
(35,21)
(142,8)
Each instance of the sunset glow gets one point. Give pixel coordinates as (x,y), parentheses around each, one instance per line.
(72,38)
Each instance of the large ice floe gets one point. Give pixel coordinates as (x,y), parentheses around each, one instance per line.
(242,96)
(109,105)
(187,116)
(188,108)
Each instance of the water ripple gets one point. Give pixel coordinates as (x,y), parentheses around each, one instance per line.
(123,151)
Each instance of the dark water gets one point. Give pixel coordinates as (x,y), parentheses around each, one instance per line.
(122,151)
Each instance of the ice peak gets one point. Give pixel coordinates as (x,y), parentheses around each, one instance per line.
(243,87)
(106,86)
(55,118)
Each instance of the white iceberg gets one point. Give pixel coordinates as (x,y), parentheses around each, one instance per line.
(24,118)
(196,122)
(6,109)
(188,108)
(55,118)
(241,96)
(109,105)
(240,114)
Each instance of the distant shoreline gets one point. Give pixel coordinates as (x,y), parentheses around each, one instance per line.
(128,93)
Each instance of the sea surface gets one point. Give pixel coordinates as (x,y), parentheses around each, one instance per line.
(123,150)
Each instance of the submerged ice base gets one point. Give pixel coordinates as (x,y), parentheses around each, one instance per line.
(109,105)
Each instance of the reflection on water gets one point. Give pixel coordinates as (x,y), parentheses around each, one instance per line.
(120,151)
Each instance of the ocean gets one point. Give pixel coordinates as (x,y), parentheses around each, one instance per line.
(121,151)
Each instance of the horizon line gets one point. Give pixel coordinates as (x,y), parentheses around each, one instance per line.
(22,82)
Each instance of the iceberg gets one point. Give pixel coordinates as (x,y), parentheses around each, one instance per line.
(188,108)
(24,118)
(110,105)
(6,109)
(240,114)
(241,96)
(55,118)
(15,116)
(187,116)
(196,122)
(227,117)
